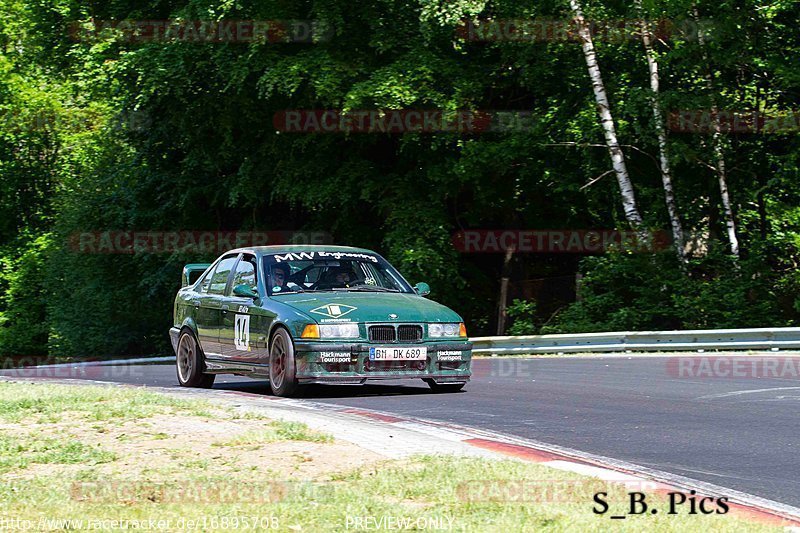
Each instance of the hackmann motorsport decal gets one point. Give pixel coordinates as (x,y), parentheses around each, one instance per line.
(449,355)
(335,357)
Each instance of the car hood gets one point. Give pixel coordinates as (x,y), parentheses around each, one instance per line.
(368,307)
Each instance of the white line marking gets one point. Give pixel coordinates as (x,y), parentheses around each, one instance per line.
(605,474)
(741,392)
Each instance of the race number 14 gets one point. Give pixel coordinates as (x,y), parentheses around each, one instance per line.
(241,337)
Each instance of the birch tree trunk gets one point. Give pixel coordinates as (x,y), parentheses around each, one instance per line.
(727,210)
(663,153)
(502,315)
(606,121)
(719,155)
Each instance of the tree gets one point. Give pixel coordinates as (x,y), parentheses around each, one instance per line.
(661,133)
(627,193)
(717,147)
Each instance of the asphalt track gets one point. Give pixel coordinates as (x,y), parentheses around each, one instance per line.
(740,433)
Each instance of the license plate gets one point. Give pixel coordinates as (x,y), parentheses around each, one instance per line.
(398,353)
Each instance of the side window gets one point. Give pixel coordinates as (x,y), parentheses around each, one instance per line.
(375,276)
(312,276)
(202,287)
(219,279)
(194,276)
(246,273)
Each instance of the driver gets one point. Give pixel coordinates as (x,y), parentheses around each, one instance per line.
(342,277)
(279,274)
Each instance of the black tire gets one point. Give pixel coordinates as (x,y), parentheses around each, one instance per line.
(282,366)
(444,387)
(190,363)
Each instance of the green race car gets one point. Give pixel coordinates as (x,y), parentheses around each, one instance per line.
(313,314)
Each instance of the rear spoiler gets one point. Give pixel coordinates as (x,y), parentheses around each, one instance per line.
(192,272)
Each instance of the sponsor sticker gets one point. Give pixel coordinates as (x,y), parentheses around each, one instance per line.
(450,355)
(334,310)
(334,357)
(307,256)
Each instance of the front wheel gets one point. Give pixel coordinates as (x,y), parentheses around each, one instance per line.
(190,364)
(444,387)
(282,369)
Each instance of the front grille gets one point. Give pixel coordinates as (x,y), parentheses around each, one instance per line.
(381,334)
(393,333)
(409,333)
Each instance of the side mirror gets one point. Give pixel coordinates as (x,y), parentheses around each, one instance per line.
(422,288)
(244,291)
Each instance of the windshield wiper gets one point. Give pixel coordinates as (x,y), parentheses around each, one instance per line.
(293,287)
(367,288)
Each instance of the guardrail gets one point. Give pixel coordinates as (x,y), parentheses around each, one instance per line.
(643,341)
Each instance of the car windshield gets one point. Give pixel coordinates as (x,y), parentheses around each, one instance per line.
(331,271)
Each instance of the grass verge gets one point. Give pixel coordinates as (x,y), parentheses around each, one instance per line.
(179,465)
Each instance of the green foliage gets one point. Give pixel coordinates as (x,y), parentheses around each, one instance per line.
(111,135)
(524,319)
(24,297)
(629,292)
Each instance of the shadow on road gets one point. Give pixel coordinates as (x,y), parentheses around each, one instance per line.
(329,391)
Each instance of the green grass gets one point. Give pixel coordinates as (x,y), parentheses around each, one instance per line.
(18,452)
(249,415)
(44,403)
(427,488)
(276,431)
(439,489)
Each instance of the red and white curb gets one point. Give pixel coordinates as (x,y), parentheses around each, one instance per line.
(603,468)
(400,436)
(565,459)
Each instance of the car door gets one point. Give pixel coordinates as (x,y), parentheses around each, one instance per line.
(208,305)
(243,337)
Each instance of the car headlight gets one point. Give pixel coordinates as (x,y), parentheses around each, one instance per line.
(447,330)
(338,331)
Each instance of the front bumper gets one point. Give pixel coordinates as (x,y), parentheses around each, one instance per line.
(348,362)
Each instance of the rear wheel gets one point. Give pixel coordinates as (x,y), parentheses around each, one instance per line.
(444,387)
(190,363)
(282,368)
